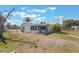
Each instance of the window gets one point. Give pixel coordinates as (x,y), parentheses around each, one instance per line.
(33,27)
(41,27)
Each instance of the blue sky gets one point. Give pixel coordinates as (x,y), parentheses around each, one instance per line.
(38,13)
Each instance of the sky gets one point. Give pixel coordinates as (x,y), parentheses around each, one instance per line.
(46,13)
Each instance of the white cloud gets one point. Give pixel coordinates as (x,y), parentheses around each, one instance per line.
(44,10)
(39,19)
(29,11)
(23,8)
(59,17)
(23,14)
(39,10)
(11,21)
(19,13)
(5,13)
(29,15)
(36,17)
(52,8)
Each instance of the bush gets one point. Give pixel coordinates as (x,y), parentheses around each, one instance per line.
(56,28)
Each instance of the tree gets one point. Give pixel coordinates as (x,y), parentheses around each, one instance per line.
(70,22)
(2,22)
(59,19)
(43,22)
(56,28)
(9,26)
(27,19)
(15,26)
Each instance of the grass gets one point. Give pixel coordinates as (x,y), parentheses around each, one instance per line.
(56,36)
(18,41)
(10,44)
(66,47)
(30,42)
(72,32)
(6,48)
(64,35)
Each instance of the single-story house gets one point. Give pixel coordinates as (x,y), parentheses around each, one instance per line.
(34,28)
(75,27)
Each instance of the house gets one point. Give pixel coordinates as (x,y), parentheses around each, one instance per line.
(75,27)
(34,28)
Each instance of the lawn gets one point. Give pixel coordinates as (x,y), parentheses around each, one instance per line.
(30,42)
(65,35)
(72,32)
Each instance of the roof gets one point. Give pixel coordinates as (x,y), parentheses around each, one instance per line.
(38,24)
(32,24)
(75,26)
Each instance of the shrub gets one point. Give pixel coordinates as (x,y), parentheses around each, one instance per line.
(56,28)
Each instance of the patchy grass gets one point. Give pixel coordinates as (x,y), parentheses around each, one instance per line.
(6,48)
(56,35)
(30,42)
(64,35)
(72,32)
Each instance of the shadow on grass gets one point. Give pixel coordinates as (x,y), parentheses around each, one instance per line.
(62,33)
(3,39)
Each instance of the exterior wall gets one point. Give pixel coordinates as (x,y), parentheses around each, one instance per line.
(27,27)
(37,31)
(75,27)
(34,31)
(44,31)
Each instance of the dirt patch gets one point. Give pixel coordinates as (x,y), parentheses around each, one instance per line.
(38,43)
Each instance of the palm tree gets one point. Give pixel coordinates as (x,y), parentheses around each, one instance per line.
(27,19)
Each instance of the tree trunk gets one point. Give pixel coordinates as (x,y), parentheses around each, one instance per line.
(2,21)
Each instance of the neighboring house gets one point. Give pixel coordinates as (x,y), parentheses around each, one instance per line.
(75,27)
(34,28)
